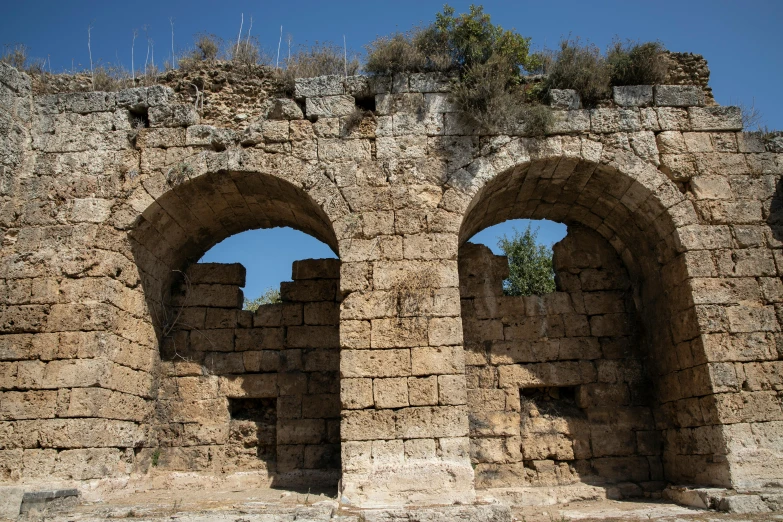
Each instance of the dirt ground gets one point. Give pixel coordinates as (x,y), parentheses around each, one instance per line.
(265,504)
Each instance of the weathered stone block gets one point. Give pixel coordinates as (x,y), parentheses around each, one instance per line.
(715,118)
(174,115)
(375,363)
(633,95)
(330,106)
(390,393)
(320,86)
(679,96)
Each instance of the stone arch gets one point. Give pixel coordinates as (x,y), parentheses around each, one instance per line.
(647,220)
(238,387)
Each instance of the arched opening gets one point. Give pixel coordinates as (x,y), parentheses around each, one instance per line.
(241,390)
(597,382)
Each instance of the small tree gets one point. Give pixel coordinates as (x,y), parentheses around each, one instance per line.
(529,263)
(270,296)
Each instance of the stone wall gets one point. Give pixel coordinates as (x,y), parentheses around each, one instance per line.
(558,389)
(689,69)
(106,197)
(246,391)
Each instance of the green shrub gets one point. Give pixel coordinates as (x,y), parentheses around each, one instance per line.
(582,68)
(632,63)
(487,58)
(450,43)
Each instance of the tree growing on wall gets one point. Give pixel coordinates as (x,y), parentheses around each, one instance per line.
(530,264)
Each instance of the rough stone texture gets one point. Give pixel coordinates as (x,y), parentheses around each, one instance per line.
(557,384)
(100,218)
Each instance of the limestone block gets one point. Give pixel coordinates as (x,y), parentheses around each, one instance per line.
(224,363)
(445,331)
(399,332)
(355,334)
(86,102)
(427,422)
(546,374)
(430,82)
(279,314)
(486,400)
(158,95)
(567,99)
(220,340)
(91,463)
(254,386)
(715,118)
(174,115)
(679,96)
(614,120)
(368,425)
(494,424)
(281,109)
(570,121)
(309,290)
(315,269)
(300,431)
(207,135)
(16,80)
(390,393)
(451,390)
(633,95)
(672,119)
(196,388)
(320,86)
(420,449)
(375,363)
(430,246)
(443,360)
(89,433)
(312,337)
(220,296)
(356,393)
(330,106)
(97,402)
(91,210)
(545,446)
(495,450)
(423,391)
(356,455)
(27,405)
(337,150)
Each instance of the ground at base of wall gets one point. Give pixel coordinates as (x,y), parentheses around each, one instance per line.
(265,504)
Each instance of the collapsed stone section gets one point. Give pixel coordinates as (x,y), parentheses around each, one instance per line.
(243,390)
(558,392)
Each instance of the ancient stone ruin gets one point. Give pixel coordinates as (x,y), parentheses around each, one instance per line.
(400,373)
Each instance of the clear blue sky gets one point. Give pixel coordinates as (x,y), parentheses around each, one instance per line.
(742,42)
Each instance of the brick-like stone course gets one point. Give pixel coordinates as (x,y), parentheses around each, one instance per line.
(557,389)
(100,217)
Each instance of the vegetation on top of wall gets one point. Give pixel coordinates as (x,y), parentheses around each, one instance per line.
(580,67)
(270,296)
(531,271)
(634,63)
(583,68)
(486,59)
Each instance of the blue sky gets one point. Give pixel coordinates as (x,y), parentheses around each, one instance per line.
(741,41)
